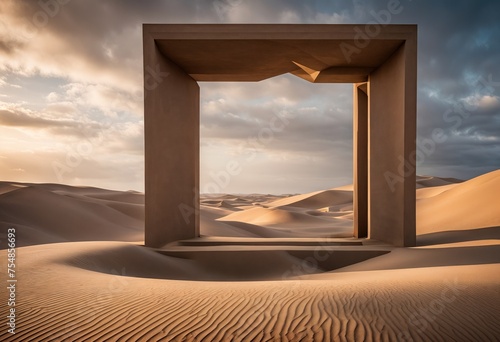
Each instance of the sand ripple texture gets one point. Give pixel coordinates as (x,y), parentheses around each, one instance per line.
(59,302)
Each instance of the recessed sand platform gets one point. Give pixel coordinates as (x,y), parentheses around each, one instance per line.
(272,258)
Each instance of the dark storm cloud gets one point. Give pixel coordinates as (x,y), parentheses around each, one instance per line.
(459,50)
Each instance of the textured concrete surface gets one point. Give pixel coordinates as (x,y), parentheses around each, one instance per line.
(177,56)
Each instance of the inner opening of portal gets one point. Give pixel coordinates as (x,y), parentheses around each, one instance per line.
(276,159)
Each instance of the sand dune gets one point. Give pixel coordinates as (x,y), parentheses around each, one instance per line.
(471,204)
(426,181)
(275,216)
(210,227)
(97,214)
(322,214)
(315,200)
(446,289)
(48,215)
(291,222)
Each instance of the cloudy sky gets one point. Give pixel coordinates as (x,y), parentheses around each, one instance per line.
(71,100)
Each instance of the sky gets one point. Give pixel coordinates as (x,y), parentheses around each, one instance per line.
(71,99)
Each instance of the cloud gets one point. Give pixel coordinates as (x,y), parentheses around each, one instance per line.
(482,102)
(5,83)
(61,126)
(95,169)
(20,118)
(16,116)
(109,100)
(297,120)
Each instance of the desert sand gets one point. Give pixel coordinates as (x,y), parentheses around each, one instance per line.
(83,274)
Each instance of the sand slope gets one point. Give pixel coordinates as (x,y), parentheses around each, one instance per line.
(471,204)
(315,200)
(55,213)
(321,214)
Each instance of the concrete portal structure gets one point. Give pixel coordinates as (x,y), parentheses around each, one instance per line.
(381,62)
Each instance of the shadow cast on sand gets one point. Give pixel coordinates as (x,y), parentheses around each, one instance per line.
(435,255)
(274,263)
(141,262)
(486,233)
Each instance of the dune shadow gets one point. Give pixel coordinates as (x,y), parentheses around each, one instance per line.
(408,258)
(142,262)
(454,236)
(215,265)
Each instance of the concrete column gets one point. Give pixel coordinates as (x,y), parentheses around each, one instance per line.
(360,160)
(172,140)
(391,139)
